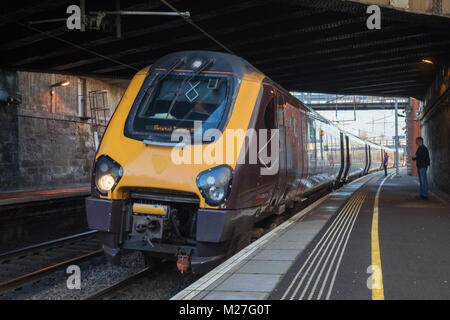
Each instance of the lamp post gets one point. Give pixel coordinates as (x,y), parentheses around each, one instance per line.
(64,83)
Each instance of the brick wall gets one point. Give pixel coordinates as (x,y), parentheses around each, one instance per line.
(9,149)
(441,7)
(435,127)
(53,151)
(436,133)
(50,145)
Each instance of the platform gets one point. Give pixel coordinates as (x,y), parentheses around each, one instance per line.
(328,250)
(25,196)
(25,213)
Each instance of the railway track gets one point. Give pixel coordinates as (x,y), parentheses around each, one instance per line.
(24,266)
(112,290)
(109,292)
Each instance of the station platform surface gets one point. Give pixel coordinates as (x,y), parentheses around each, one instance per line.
(24,196)
(330,249)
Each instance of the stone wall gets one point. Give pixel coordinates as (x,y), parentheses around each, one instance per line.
(54,145)
(435,126)
(9,147)
(436,133)
(441,7)
(53,151)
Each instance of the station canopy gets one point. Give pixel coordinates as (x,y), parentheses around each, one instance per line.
(304,45)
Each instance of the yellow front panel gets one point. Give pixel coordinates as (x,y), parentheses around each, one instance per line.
(148,209)
(150,166)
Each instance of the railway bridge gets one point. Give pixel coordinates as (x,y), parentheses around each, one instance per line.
(65,66)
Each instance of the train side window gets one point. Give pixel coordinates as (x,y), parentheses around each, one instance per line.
(312,140)
(312,133)
(280,109)
(269,114)
(321,137)
(325,142)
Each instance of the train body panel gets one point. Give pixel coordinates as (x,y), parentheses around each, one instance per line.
(376,157)
(196,208)
(358,157)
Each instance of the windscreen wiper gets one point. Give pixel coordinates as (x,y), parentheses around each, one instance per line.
(147,92)
(149,141)
(173,67)
(196,72)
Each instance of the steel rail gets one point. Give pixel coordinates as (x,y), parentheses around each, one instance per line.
(45,245)
(117,286)
(41,273)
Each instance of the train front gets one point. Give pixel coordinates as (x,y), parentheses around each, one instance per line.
(159,184)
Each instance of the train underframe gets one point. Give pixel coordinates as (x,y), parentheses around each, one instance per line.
(199,239)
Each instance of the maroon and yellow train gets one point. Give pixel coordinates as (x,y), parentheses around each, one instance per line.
(203,211)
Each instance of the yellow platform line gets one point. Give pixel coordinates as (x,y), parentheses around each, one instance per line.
(329,232)
(377,274)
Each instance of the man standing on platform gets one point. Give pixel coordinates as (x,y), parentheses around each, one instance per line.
(422,159)
(385,163)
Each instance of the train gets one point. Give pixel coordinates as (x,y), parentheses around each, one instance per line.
(201,148)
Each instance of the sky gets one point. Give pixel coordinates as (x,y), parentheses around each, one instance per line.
(375,125)
(378,124)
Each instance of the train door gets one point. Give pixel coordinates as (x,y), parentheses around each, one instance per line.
(303,150)
(348,160)
(293,141)
(368,159)
(342,157)
(322,170)
(312,149)
(282,172)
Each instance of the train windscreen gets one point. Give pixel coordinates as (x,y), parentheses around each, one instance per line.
(178,101)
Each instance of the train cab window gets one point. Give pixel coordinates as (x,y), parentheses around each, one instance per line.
(177,102)
(269,114)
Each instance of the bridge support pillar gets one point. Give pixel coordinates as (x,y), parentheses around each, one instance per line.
(412,132)
(435,127)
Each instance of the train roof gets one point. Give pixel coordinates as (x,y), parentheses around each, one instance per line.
(225,62)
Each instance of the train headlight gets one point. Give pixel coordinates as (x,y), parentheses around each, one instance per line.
(106,182)
(107,174)
(215,184)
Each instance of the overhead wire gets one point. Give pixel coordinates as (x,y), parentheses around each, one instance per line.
(187,19)
(68,42)
(192,23)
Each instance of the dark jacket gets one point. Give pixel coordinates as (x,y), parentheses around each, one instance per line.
(422,157)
